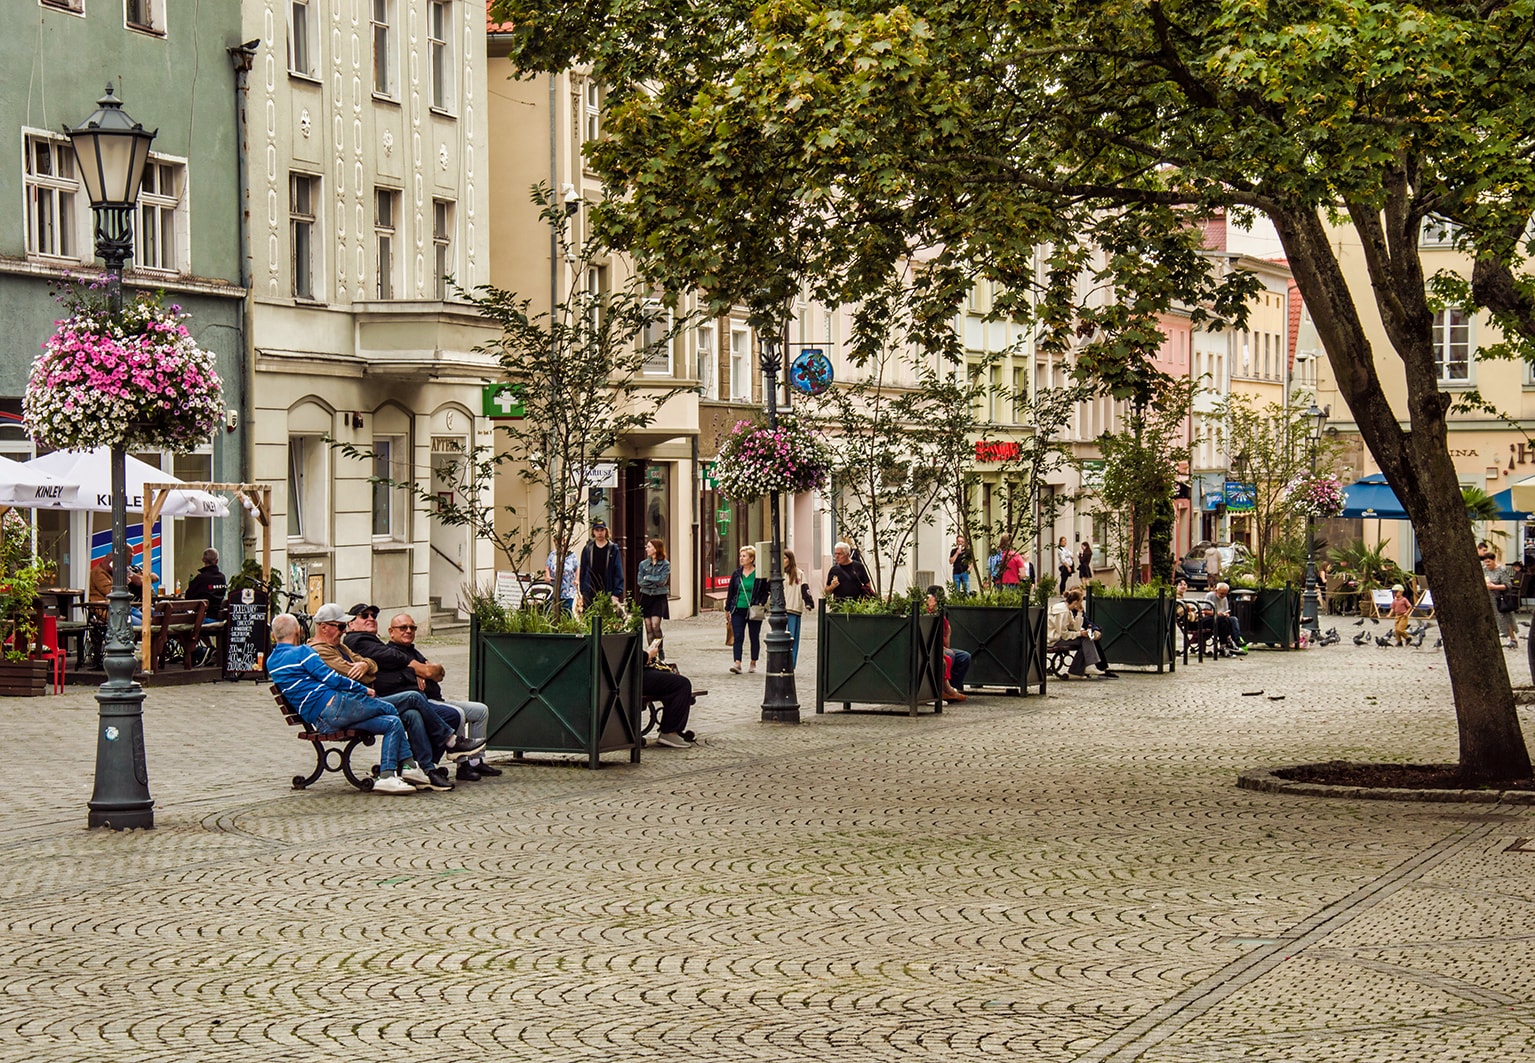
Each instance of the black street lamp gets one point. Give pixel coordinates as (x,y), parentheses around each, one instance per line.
(780,703)
(111,149)
(1316,421)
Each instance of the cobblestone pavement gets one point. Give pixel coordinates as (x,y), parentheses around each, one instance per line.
(1072,878)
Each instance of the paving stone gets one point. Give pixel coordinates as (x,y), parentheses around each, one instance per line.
(1070,877)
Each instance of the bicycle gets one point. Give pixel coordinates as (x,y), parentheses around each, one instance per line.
(292,607)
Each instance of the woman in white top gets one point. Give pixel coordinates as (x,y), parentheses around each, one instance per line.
(796,599)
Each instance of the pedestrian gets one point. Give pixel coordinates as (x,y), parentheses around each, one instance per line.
(1401,612)
(1010,565)
(956,663)
(661,681)
(1212,566)
(796,599)
(847,578)
(1065,561)
(566,584)
(747,598)
(602,566)
(1504,606)
(1085,562)
(654,583)
(959,564)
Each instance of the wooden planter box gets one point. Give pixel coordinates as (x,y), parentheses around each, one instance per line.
(559,693)
(23,679)
(1137,632)
(878,660)
(1276,618)
(1007,647)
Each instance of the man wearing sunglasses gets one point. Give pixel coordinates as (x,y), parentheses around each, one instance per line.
(428,676)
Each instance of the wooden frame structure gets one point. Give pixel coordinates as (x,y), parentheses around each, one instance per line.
(155,495)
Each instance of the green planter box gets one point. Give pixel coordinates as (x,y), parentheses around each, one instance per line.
(1006,646)
(1276,618)
(1137,632)
(559,693)
(878,660)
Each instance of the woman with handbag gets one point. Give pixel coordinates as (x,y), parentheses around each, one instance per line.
(654,583)
(796,599)
(747,598)
(1504,604)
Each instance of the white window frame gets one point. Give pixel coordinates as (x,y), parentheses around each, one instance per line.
(386,220)
(1441,333)
(596,289)
(64,194)
(152,16)
(302,40)
(591,111)
(740,364)
(439,45)
(442,245)
(71,7)
(381,34)
(306,489)
(306,225)
(708,361)
(156,211)
(654,342)
(390,507)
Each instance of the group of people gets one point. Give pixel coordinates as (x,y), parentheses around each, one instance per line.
(1221,623)
(347,677)
(1008,568)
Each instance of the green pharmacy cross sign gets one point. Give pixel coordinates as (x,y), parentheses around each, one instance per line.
(503,402)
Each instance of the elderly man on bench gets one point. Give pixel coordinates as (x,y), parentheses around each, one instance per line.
(329,701)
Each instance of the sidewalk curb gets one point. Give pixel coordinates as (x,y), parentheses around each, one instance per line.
(1267,781)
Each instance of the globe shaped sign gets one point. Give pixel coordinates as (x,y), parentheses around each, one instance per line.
(810,371)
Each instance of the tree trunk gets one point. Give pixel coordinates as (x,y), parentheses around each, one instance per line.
(1417,464)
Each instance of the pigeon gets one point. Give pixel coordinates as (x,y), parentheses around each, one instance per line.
(1422,634)
(1359,622)
(1381,640)
(1438,643)
(1359,639)
(1417,628)
(1375,620)
(1330,638)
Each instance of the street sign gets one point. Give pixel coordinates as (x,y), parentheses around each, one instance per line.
(503,402)
(811,371)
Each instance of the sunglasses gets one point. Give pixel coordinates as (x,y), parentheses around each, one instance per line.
(402,627)
(332,623)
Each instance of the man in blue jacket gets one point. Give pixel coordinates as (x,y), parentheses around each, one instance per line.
(602,566)
(329,701)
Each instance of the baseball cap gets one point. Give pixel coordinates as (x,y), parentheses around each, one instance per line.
(1397,588)
(363,609)
(331,613)
(598,522)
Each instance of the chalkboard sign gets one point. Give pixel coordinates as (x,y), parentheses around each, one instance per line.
(245,637)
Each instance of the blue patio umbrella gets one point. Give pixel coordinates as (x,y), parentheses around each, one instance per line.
(1506,508)
(1372,497)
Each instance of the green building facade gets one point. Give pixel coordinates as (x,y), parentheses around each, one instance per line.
(171,65)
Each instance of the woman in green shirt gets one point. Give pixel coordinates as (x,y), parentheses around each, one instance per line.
(747,598)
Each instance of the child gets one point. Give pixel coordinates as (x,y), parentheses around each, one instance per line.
(1401,612)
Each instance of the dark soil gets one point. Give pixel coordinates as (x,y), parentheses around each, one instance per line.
(1404,776)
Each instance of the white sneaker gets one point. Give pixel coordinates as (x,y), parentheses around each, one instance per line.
(415,775)
(392,784)
(671,741)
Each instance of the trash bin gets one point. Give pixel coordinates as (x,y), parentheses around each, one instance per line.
(1242,604)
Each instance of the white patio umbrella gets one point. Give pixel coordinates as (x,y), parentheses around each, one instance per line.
(24,488)
(91,472)
(1522,493)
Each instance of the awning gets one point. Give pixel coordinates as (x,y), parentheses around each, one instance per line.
(1372,497)
(1521,495)
(25,488)
(91,472)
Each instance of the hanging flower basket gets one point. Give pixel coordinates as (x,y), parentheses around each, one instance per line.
(138,381)
(756,460)
(1315,496)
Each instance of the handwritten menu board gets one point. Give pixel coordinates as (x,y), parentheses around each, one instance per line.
(245,638)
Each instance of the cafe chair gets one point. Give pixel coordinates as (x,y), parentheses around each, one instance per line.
(48,649)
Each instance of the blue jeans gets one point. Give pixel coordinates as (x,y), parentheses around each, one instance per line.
(373,715)
(794,624)
(435,724)
(959,667)
(962,582)
(740,624)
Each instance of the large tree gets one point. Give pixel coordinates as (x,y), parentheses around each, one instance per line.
(755,145)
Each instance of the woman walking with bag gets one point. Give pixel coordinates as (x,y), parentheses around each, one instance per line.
(796,599)
(1504,605)
(747,597)
(654,583)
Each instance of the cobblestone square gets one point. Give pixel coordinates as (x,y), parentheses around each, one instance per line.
(1064,878)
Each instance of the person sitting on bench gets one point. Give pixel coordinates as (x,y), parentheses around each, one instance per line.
(329,702)
(1068,633)
(1228,631)
(956,663)
(660,681)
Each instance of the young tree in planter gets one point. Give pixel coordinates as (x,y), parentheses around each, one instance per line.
(1140,469)
(1275,442)
(575,373)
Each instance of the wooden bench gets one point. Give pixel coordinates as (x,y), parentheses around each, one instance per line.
(175,624)
(327,755)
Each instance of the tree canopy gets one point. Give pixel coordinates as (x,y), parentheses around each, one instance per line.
(752,145)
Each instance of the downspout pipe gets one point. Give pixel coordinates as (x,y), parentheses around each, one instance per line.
(243,57)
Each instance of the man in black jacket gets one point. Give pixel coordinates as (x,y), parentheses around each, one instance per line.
(403,667)
(209,584)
